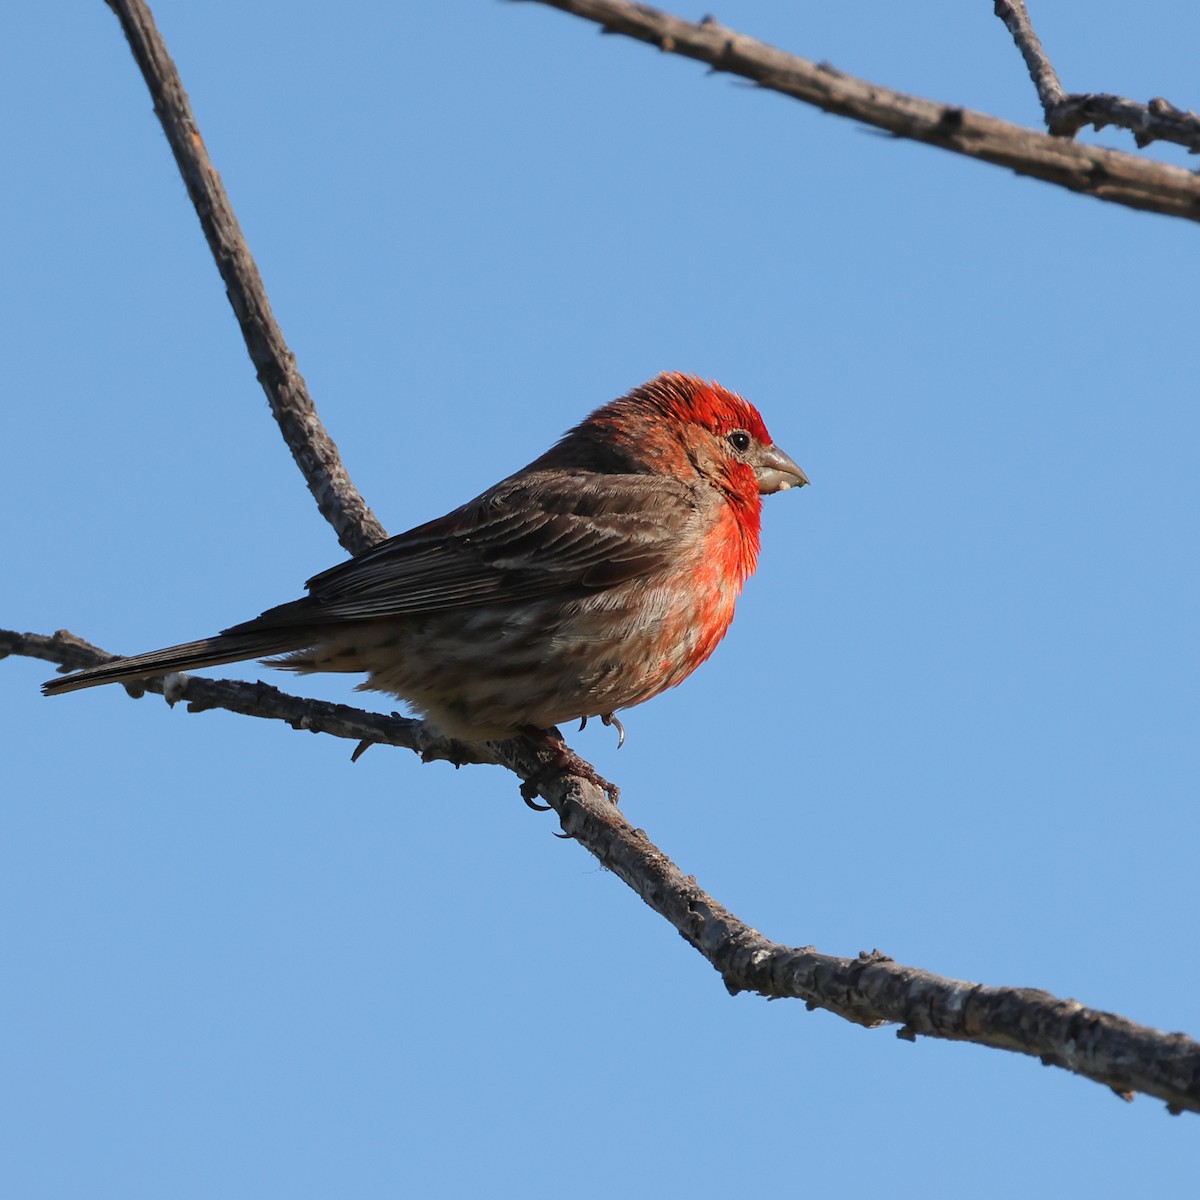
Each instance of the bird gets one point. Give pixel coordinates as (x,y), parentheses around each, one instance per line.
(589,581)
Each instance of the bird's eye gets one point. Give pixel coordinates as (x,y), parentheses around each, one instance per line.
(739,439)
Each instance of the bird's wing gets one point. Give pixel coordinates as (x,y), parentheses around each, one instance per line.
(544,533)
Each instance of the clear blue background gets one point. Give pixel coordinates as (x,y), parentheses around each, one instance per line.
(955,719)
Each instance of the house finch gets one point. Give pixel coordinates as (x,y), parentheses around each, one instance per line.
(596,577)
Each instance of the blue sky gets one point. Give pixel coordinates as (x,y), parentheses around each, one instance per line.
(955,718)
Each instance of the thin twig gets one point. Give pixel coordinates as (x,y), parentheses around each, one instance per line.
(868,990)
(313,449)
(1043,74)
(1067,113)
(1107,175)
(1159,120)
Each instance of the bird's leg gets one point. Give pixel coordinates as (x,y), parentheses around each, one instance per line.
(611,719)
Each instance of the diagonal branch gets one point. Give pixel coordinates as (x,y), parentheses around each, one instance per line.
(1067,114)
(1107,175)
(868,990)
(1041,71)
(313,449)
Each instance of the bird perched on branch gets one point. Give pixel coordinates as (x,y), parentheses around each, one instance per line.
(591,580)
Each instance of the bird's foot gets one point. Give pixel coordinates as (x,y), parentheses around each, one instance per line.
(562,761)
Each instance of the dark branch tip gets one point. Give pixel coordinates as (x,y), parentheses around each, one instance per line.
(364,746)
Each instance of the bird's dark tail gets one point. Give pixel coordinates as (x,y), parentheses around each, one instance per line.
(226,647)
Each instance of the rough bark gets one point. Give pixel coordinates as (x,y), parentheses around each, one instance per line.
(1104,174)
(869,990)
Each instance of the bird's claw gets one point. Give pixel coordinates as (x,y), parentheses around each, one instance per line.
(607,719)
(528,793)
(612,719)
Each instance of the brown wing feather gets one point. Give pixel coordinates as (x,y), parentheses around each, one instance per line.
(537,535)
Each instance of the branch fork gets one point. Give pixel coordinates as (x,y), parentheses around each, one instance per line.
(870,989)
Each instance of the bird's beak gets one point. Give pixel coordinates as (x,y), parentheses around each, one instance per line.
(776,472)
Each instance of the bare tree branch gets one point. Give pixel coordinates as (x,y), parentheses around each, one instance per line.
(1067,113)
(868,990)
(255,700)
(1105,174)
(1043,74)
(313,449)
